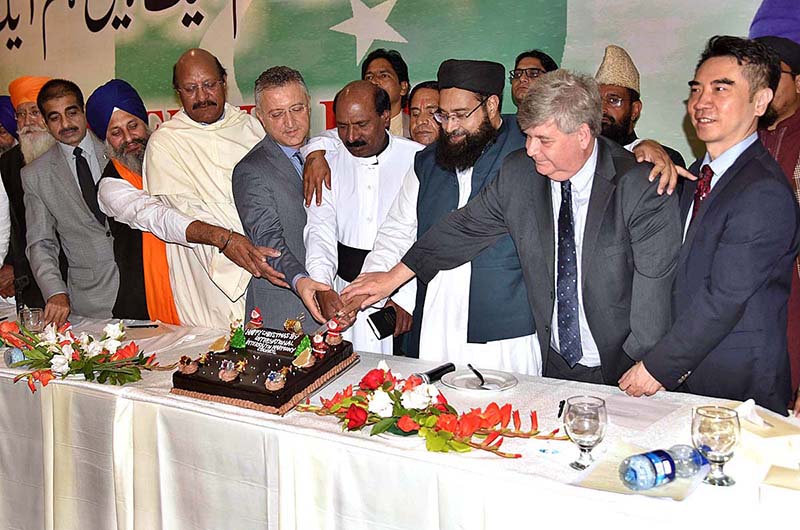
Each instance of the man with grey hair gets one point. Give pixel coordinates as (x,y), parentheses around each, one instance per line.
(596,242)
(268,192)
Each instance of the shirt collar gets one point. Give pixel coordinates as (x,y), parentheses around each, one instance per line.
(721,164)
(582,180)
(288,151)
(380,157)
(86,144)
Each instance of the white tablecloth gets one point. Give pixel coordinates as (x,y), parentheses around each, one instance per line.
(79,455)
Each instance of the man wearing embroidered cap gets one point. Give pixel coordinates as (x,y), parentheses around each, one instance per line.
(478,312)
(16,278)
(140,223)
(618,80)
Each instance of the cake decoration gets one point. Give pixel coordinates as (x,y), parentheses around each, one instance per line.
(241,365)
(305,360)
(256,320)
(220,345)
(203,359)
(305,344)
(294,325)
(228,371)
(276,380)
(318,346)
(238,341)
(334,337)
(187,366)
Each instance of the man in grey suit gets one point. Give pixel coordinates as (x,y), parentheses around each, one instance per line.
(61,210)
(268,192)
(597,244)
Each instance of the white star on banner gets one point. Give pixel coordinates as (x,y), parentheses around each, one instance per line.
(368,25)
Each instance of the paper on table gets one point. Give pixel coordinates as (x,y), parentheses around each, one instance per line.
(762,423)
(783,477)
(637,413)
(604,476)
(145,333)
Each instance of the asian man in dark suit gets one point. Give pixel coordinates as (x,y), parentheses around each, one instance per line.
(268,192)
(741,237)
(596,242)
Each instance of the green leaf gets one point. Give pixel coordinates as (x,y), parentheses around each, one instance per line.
(382,426)
(435,443)
(461,447)
(430,421)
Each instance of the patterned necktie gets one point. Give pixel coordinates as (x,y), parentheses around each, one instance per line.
(88,187)
(298,162)
(569,331)
(703,188)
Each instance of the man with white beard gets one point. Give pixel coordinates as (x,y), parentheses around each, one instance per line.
(16,278)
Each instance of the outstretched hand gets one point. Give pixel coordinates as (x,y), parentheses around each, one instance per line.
(637,381)
(375,286)
(253,259)
(315,171)
(663,166)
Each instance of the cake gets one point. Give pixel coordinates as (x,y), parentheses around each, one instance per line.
(272,371)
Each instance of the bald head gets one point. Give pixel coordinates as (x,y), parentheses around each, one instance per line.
(362,117)
(199,79)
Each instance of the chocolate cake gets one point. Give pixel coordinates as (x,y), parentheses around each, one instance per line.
(273,372)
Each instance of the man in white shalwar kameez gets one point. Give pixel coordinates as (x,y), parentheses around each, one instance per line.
(368,165)
(188,165)
(475,138)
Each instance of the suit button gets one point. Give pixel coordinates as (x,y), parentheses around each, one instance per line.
(552,295)
(547,329)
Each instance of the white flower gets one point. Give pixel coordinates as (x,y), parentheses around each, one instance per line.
(114,331)
(381,404)
(420,397)
(49,335)
(67,350)
(383,366)
(94,348)
(59,364)
(111,345)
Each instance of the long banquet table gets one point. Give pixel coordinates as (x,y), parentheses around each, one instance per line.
(79,455)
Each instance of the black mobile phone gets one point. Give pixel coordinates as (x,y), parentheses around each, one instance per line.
(383,322)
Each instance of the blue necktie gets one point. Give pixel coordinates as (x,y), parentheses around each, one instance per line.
(297,160)
(569,331)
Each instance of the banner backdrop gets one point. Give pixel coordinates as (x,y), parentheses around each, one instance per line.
(92,41)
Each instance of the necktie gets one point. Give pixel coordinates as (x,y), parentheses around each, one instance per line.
(569,331)
(298,162)
(703,188)
(88,187)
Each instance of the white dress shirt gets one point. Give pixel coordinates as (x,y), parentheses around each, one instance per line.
(581,193)
(5,223)
(362,191)
(443,335)
(87,145)
(119,199)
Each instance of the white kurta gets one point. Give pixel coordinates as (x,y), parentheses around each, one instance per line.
(362,191)
(189,166)
(443,337)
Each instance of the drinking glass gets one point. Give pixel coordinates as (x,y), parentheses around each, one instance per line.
(715,433)
(585,421)
(32,319)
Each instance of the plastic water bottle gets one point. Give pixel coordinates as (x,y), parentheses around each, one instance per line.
(652,469)
(13,355)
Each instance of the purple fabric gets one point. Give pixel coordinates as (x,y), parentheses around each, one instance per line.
(780,18)
(8,118)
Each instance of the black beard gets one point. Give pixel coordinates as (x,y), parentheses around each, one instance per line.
(616,132)
(463,155)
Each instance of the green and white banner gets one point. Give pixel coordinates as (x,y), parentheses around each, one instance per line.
(92,41)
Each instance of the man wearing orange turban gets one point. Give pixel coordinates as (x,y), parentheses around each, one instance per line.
(16,278)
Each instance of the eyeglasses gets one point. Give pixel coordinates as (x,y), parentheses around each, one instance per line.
(789,72)
(208,86)
(444,118)
(294,110)
(530,73)
(614,101)
(33,113)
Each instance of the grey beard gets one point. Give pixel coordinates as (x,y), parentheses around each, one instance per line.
(35,144)
(133,161)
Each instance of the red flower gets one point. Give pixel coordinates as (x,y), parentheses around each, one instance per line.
(447,422)
(6,330)
(373,379)
(505,415)
(534,421)
(356,417)
(468,424)
(150,361)
(126,352)
(45,377)
(411,383)
(75,355)
(406,424)
(491,416)
(31,384)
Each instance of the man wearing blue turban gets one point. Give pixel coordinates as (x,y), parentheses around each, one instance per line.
(141,224)
(8,124)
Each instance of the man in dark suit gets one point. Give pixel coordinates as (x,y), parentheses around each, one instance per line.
(61,211)
(268,192)
(602,300)
(741,237)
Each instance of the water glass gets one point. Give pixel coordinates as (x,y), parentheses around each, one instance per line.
(715,433)
(32,319)
(585,420)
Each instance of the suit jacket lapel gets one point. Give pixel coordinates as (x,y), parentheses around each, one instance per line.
(543,206)
(62,176)
(602,187)
(720,185)
(279,160)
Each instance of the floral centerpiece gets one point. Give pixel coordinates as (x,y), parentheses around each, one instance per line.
(412,407)
(58,352)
